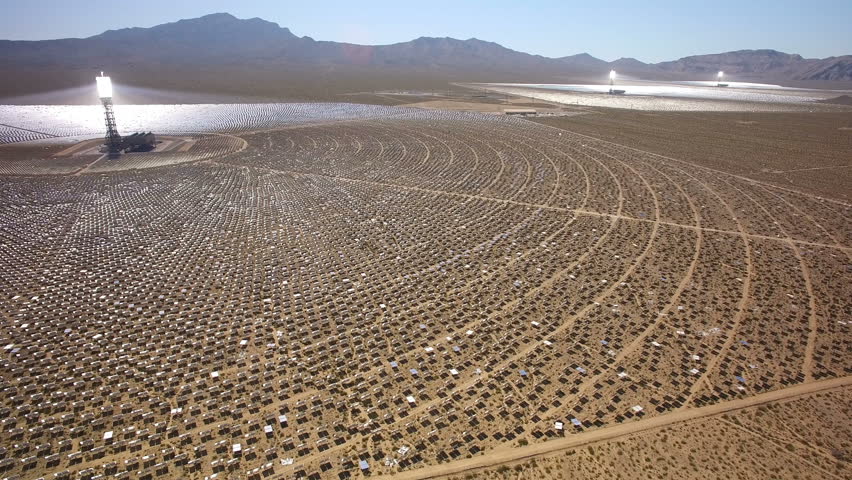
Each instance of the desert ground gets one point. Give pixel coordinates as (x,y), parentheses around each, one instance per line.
(166,84)
(772,440)
(334,290)
(803,151)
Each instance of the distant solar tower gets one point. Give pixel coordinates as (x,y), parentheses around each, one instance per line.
(719,77)
(112,139)
(611,80)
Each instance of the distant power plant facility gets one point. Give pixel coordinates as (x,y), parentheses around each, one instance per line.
(113,141)
(719,79)
(613,91)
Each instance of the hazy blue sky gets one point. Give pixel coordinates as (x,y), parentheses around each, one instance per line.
(648,30)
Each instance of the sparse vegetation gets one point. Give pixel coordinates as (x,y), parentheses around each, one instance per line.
(414,288)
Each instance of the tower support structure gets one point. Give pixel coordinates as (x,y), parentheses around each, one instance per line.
(112,138)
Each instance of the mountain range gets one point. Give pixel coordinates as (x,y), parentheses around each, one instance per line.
(223,41)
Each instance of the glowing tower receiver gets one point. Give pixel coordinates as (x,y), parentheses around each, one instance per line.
(719,76)
(611,80)
(112,139)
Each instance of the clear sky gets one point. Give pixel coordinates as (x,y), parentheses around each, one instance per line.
(649,30)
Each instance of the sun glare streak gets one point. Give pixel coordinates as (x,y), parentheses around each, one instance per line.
(104,86)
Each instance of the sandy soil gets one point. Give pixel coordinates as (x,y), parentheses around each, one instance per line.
(805,151)
(487,107)
(410,288)
(798,432)
(172,84)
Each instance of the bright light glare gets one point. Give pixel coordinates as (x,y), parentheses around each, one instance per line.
(720,74)
(104,87)
(612,74)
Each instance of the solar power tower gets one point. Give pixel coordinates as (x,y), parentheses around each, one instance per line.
(112,139)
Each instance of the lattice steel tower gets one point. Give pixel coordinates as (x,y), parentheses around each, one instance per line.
(112,138)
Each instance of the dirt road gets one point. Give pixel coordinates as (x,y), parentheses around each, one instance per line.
(508,454)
